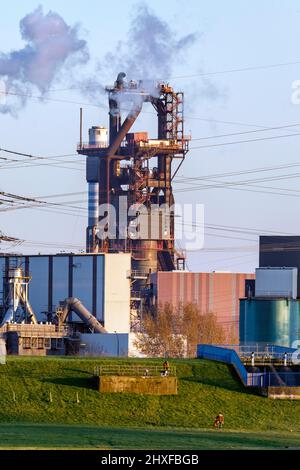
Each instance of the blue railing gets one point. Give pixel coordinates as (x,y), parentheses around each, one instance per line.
(257,348)
(263,378)
(228,356)
(261,353)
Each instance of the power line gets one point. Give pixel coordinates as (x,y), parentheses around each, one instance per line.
(32,158)
(57,100)
(192,148)
(232,186)
(265,129)
(243,182)
(35,157)
(233,228)
(199,74)
(100,105)
(240,172)
(240,69)
(246,141)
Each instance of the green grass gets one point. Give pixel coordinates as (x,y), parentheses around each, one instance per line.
(45,436)
(205,389)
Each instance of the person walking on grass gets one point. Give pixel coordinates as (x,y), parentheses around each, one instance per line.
(166,367)
(219,421)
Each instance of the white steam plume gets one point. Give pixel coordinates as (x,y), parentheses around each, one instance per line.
(50,45)
(148,55)
(151,50)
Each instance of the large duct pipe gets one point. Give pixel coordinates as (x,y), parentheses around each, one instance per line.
(28,308)
(126,126)
(74,304)
(115,144)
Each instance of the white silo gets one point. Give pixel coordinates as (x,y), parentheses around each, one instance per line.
(98,136)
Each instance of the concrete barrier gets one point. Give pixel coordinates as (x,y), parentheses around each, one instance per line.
(281,393)
(141,385)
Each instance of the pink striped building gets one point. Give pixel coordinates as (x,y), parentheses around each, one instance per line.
(217,292)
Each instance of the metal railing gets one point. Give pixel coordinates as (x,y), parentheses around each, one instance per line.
(135,371)
(271,379)
(262,352)
(134,274)
(255,347)
(152,144)
(261,378)
(265,358)
(35,330)
(136,295)
(87,145)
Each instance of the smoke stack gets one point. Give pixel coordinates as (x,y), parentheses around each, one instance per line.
(120,80)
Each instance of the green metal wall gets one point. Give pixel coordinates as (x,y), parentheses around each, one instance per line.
(275,321)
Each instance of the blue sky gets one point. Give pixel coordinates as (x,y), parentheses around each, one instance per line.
(232,35)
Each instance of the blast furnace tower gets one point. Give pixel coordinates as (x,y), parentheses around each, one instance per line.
(130,176)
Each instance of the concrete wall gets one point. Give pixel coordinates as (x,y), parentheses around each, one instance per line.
(133,351)
(2,351)
(112,345)
(117,293)
(282,393)
(107,345)
(141,385)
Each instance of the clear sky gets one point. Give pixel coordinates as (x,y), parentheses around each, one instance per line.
(231,35)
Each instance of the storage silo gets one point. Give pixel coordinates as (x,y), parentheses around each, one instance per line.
(98,136)
(269,320)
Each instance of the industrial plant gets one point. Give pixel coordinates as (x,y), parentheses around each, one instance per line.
(57,304)
(93,302)
(149,242)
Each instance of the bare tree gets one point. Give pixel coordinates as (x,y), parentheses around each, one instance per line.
(176,332)
(200,328)
(160,335)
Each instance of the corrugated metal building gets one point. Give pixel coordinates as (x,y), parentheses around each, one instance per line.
(100,281)
(216,292)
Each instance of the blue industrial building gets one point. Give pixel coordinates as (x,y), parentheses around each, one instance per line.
(100,281)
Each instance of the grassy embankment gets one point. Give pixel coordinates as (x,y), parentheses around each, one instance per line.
(45,390)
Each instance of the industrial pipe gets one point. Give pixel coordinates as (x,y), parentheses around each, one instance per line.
(28,307)
(74,304)
(126,126)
